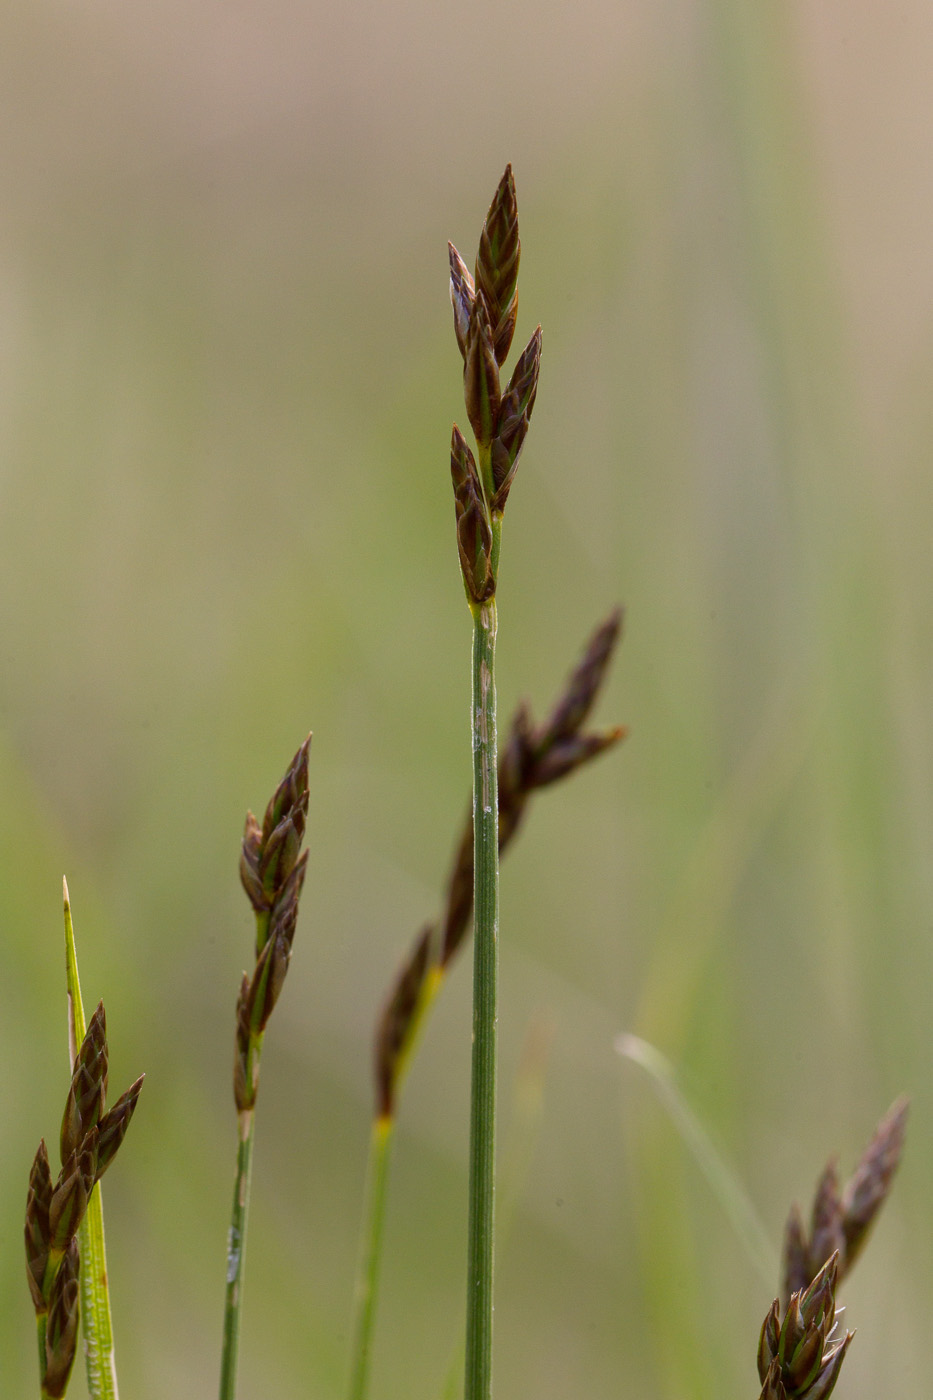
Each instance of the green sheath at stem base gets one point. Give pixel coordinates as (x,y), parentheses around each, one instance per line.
(478,1380)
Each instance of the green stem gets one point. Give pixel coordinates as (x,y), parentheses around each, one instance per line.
(236,1253)
(96,1323)
(524,1126)
(485,978)
(377,1175)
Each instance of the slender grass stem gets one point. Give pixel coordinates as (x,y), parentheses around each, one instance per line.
(485,995)
(236,1253)
(96,1323)
(524,1128)
(377,1176)
(720,1177)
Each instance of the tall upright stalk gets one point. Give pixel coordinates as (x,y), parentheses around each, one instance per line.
(272,872)
(481,1226)
(533,756)
(485,308)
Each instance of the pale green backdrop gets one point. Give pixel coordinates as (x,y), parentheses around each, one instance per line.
(227,379)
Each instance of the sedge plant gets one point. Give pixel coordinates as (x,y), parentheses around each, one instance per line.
(66,1265)
(272,870)
(485,311)
(800,1349)
(533,757)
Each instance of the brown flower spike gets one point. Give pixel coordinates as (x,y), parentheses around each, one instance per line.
(533,757)
(474,533)
(485,307)
(800,1357)
(842,1217)
(272,871)
(89,1140)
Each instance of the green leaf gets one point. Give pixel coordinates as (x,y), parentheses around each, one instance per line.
(96,1323)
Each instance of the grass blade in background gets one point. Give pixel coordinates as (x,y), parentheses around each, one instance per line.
(720,1177)
(800,1355)
(272,872)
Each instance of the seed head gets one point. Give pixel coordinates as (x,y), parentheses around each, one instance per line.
(485,309)
(272,871)
(398,1022)
(841,1219)
(474,533)
(462,296)
(530,758)
(111,1130)
(62,1326)
(38,1230)
(74,1186)
(513,419)
(269,852)
(497,264)
(798,1358)
(481,391)
(867,1189)
(88,1091)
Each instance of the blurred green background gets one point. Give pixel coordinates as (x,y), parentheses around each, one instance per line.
(227,379)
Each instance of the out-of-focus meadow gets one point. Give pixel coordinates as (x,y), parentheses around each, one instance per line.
(227,379)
